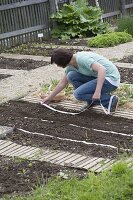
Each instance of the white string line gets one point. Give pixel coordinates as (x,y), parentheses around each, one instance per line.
(60,111)
(98,130)
(43,120)
(83,127)
(106,111)
(77,141)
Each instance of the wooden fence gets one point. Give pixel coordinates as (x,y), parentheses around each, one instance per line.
(28,20)
(116,8)
(24,21)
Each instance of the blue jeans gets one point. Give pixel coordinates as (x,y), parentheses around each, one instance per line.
(85,87)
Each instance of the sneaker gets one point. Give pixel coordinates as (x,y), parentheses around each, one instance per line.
(113,103)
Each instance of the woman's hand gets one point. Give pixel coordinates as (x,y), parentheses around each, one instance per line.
(96,96)
(61,85)
(45,99)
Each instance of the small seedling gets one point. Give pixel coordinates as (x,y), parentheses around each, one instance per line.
(125,93)
(47,88)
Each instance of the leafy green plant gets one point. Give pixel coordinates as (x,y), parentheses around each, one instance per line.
(109,39)
(46,88)
(77,20)
(125,24)
(125,93)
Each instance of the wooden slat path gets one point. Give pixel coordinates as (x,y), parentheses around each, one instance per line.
(76,106)
(95,164)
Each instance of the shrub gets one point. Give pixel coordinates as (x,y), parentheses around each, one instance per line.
(110,39)
(125,24)
(76,20)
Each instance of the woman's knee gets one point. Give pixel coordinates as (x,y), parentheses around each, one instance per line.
(77,94)
(71,75)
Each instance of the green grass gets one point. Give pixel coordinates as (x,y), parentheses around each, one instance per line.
(114,184)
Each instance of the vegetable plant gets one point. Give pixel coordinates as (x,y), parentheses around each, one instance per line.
(125,93)
(78,20)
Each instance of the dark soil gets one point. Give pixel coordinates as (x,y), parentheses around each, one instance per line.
(128,59)
(46,47)
(20,176)
(20,64)
(30,117)
(71,42)
(2,76)
(126,75)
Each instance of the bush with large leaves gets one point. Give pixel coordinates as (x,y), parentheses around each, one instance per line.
(77,20)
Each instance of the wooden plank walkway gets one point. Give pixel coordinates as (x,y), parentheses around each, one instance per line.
(95,164)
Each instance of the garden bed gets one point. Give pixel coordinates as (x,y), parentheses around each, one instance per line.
(126,75)
(85,134)
(20,176)
(20,64)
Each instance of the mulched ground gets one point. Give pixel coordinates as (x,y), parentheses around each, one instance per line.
(20,64)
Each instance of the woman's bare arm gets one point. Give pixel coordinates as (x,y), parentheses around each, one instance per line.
(100,79)
(61,85)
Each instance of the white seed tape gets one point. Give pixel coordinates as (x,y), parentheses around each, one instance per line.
(83,127)
(106,111)
(77,141)
(98,130)
(64,112)
(43,120)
